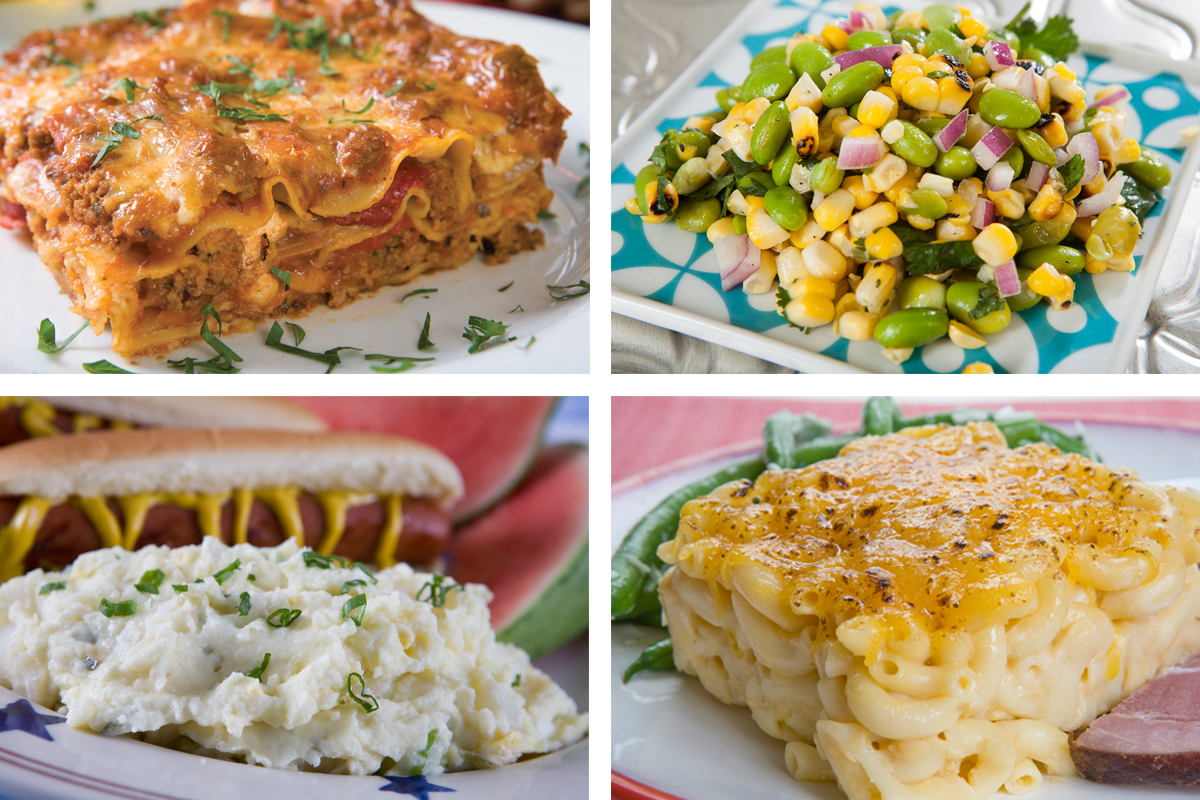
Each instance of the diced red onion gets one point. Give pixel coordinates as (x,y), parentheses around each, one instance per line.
(737,259)
(1000,176)
(999,55)
(1027,85)
(994,144)
(860,152)
(883,55)
(1085,144)
(1091,206)
(1119,96)
(1061,155)
(844,24)
(983,213)
(861,21)
(1007,281)
(948,136)
(1038,173)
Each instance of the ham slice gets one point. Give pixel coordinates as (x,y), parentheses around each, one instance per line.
(1152,737)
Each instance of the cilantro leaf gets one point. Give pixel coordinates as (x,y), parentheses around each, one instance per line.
(479,331)
(1072,171)
(46,341)
(930,259)
(1056,37)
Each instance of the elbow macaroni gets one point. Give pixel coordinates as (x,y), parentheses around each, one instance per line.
(929,614)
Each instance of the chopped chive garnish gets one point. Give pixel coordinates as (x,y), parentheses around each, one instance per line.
(355,609)
(251,577)
(438,590)
(394,89)
(150,582)
(417,292)
(429,86)
(258,671)
(346,586)
(362,110)
(322,561)
(546,213)
(226,573)
(424,342)
(569,292)
(529,344)
(365,700)
(126,608)
(53,587)
(180,588)
(282,617)
(366,570)
(244,605)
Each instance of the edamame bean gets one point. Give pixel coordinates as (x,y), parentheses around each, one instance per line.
(725,99)
(1016,159)
(956,163)
(852,84)
(772,55)
(781,170)
(690,144)
(930,204)
(943,41)
(1049,231)
(785,205)
(1006,36)
(646,176)
(962,298)
(810,58)
(698,215)
(940,15)
(826,178)
(1037,147)
(770,132)
(914,36)
(915,146)
(772,81)
(1040,56)
(755,184)
(912,327)
(1008,109)
(1118,229)
(1151,169)
(863,39)
(1067,260)
(1027,298)
(931,125)
(921,292)
(739,225)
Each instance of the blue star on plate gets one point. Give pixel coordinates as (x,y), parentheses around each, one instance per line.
(20,716)
(416,786)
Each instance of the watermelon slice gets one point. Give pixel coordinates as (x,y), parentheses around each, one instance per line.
(493,440)
(531,550)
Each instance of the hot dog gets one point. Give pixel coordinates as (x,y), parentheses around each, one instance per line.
(364,497)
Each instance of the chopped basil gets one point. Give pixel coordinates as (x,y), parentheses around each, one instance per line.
(125,608)
(417,292)
(355,609)
(179,588)
(424,342)
(346,586)
(104,367)
(479,331)
(53,587)
(286,277)
(367,701)
(238,67)
(244,605)
(227,573)
(126,85)
(506,286)
(429,86)
(120,132)
(150,582)
(222,362)
(282,617)
(569,292)
(989,301)
(330,356)
(46,337)
(228,20)
(438,590)
(258,671)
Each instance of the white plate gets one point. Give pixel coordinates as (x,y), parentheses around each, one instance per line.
(672,736)
(379,323)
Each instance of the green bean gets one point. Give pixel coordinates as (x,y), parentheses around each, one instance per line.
(826,178)
(852,84)
(772,55)
(943,41)
(810,58)
(957,163)
(769,133)
(1067,260)
(1151,169)
(961,299)
(755,184)
(912,327)
(931,125)
(725,99)
(880,416)
(1037,147)
(914,36)
(772,81)
(739,225)
(658,657)
(647,175)
(940,15)
(784,432)
(915,146)
(920,291)
(863,39)
(1027,298)
(1008,109)
(697,215)
(823,448)
(787,207)
(930,204)
(781,170)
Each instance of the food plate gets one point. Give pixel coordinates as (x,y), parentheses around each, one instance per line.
(383,322)
(668,277)
(671,739)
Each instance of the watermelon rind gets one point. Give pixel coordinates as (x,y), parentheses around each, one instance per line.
(558,615)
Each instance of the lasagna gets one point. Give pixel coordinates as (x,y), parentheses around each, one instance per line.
(265,157)
(929,614)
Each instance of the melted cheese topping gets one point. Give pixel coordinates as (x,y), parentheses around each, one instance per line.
(936,527)
(37,418)
(17,538)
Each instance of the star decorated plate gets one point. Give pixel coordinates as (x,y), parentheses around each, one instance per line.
(668,277)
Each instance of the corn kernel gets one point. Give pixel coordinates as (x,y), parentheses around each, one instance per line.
(903,73)
(809,311)
(906,184)
(886,173)
(965,337)
(810,233)
(1048,202)
(835,210)
(1054,132)
(875,109)
(1127,151)
(835,38)
(953,96)
(764,277)
(841,241)
(972,27)
(814,285)
(978,67)
(805,94)
(897,355)
(1009,203)
(789,265)
(955,229)
(921,93)
(631,205)
(919,222)
(844,126)
(863,197)
(721,228)
(1046,281)
(872,219)
(764,231)
(884,244)
(857,326)
(823,260)
(995,244)
(978,368)
(875,290)
(864,130)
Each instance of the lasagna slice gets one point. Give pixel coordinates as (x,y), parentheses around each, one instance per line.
(266,157)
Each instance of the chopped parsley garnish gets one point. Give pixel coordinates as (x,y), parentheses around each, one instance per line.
(321,561)
(298,333)
(238,67)
(179,588)
(126,608)
(506,286)
(546,213)
(104,367)
(429,86)
(150,582)
(429,742)
(406,363)
(251,94)
(362,110)
(53,587)
(569,292)
(365,700)
(517,680)
(518,308)
(330,356)
(151,18)
(417,292)
(424,342)
(251,577)
(228,21)
(438,589)
(332,120)
(284,276)
(529,344)
(227,573)
(282,617)
(244,604)
(1056,37)
(395,89)
(584,184)
(126,85)
(58,60)
(120,132)
(355,609)
(314,35)
(257,672)
(479,331)
(46,337)
(1072,171)
(346,586)
(222,362)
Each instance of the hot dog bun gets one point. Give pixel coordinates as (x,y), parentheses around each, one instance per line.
(181,460)
(195,412)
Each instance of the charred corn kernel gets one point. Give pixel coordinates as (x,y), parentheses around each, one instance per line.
(835,38)
(884,244)
(863,197)
(897,355)
(972,27)
(1009,203)
(823,260)
(921,93)
(845,126)
(887,173)
(857,326)
(809,311)
(978,368)
(995,244)
(719,229)
(952,96)
(762,280)
(805,132)
(814,285)
(875,290)
(1048,203)
(866,222)
(965,337)
(906,184)
(875,109)
(864,130)
(1075,110)
(978,67)
(1061,302)
(789,265)
(834,210)
(1054,132)
(1046,281)
(1127,151)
